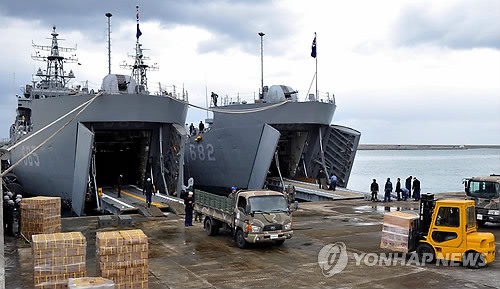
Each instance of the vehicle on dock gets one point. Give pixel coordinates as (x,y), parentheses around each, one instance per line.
(485,191)
(444,229)
(252,216)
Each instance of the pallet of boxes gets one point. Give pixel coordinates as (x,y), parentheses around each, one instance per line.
(398,231)
(58,257)
(122,257)
(40,215)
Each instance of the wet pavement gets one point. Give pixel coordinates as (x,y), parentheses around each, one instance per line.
(185,257)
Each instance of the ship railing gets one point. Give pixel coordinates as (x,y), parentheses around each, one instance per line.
(253,97)
(175,91)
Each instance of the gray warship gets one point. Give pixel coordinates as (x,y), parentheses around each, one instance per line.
(251,145)
(121,128)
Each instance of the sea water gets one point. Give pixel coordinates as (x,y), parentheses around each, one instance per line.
(439,171)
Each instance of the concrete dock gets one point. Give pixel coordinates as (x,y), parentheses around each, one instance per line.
(185,257)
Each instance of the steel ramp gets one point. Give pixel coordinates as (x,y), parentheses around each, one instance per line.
(132,201)
(311,192)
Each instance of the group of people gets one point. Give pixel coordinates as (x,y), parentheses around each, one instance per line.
(12,213)
(193,131)
(324,183)
(403,193)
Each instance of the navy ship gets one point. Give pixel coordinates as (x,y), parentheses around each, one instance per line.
(247,145)
(90,137)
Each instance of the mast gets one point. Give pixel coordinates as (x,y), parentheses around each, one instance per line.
(109,41)
(54,77)
(140,67)
(316,57)
(261,34)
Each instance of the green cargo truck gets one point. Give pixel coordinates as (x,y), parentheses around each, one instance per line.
(252,216)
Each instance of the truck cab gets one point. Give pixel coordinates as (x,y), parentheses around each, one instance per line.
(452,235)
(262,216)
(485,191)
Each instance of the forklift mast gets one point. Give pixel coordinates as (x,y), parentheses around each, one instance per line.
(427,204)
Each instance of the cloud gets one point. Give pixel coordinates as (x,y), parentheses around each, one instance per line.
(233,23)
(463,25)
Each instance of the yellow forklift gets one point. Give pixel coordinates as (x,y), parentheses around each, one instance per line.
(446,229)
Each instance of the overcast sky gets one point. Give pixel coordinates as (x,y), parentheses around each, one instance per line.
(403,72)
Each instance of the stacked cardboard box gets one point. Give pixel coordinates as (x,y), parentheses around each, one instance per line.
(58,257)
(398,231)
(40,215)
(123,258)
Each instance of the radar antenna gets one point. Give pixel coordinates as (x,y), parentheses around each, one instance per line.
(140,67)
(54,76)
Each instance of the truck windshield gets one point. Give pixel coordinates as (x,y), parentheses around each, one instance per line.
(268,204)
(485,190)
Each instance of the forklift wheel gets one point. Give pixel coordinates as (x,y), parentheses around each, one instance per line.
(474,260)
(425,253)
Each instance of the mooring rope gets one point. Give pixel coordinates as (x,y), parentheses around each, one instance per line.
(233,111)
(85,105)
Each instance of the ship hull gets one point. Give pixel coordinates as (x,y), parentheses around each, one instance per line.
(61,166)
(293,140)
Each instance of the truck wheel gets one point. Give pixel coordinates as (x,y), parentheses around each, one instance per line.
(240,239)
(474,260)
(425,253)
(210,228)
(279,242)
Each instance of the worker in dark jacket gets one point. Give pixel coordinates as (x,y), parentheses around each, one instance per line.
(322,179)
(398,189)
(416,189)
(201,127)
(408,186)
(374,190)
(388,190)
(189,204)
(9,218)
(148,191)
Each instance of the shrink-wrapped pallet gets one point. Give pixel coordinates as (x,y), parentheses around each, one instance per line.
(58,257)
(122,256)
(398,231)
(40,215)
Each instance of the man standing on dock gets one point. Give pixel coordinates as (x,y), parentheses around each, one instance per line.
(189,204)
(388,190)
(119,184)
(374,190)
(416,189)
(408,186)
(398,189)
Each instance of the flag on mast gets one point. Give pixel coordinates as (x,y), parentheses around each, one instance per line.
(138,33)
(313,51)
